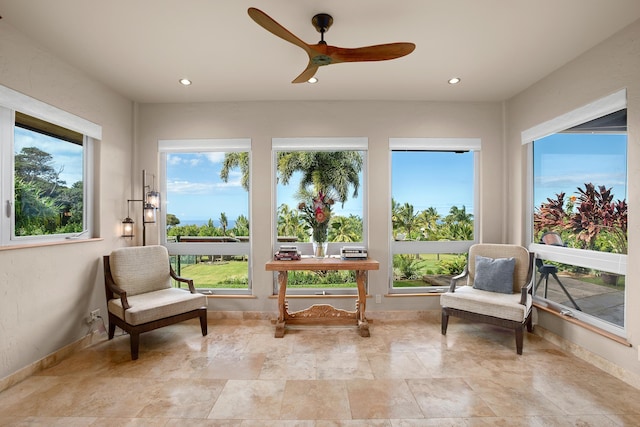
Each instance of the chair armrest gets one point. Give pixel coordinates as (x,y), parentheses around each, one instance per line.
(118,291)
(189,282)
(529,288)
(454,280)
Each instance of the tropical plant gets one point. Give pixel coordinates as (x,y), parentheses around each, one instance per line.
(316,215)
(405,267)
(407,219)
(591,220)
(452,266)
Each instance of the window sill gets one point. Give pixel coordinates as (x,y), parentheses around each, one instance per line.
(53,243)
(584,325)
(242,296)
(417,294)
(293,296)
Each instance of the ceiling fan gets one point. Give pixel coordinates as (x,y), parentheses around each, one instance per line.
(322,54)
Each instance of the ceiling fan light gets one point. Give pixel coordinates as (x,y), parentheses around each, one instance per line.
(185,82)
(454,80)
(313,80)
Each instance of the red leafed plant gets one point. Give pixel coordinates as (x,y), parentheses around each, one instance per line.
(593,218)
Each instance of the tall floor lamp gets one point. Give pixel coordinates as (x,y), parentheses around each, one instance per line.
(150,204)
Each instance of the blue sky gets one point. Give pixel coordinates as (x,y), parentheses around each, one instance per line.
(67,157)
(565,162)
(196,193)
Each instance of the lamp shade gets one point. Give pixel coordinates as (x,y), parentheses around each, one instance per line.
(127,227)
(149,213)
(153,198)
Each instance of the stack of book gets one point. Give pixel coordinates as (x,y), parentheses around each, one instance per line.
(287,253)
(353,252)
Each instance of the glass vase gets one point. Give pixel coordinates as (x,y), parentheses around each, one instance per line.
(320,249)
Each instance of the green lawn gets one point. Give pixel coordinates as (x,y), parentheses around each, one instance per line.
(218,274)
(234,274)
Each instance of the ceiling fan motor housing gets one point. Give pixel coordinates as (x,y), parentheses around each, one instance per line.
(322,22)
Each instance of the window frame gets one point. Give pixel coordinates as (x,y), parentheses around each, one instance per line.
(10,102)
(226,145)
(426,247)
(318,144)
(603,261)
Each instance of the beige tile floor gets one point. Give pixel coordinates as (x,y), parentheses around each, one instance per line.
(405,374)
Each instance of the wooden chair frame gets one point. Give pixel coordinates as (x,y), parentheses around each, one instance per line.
(113,291)
(518,327)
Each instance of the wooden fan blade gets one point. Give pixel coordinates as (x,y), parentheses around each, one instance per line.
(381,52)
(269,24)
(309,72)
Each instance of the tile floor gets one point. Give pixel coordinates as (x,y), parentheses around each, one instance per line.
(405,374)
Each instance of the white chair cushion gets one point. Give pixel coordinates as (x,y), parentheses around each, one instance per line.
(503,306)
(156,305)
(140,269)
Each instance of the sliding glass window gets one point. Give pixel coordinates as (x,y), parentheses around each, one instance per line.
(433,216)
(205,187)
(325,173)
(579,212)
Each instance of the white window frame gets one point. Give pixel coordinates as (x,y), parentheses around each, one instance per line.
(420,247)
(10,102)
(603,261)
(226,145)
(318,144)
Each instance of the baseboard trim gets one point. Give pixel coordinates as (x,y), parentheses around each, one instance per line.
(48,361)
(589,357)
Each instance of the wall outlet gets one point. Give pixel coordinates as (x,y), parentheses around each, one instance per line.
(378,298)
(94,315)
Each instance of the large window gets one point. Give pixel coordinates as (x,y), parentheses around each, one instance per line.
(47,176)
(433,217)
(325,174)
(579,212)
(205,186)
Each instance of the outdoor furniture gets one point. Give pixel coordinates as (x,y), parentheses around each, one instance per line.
(497,290)
(554,239)
(140,297)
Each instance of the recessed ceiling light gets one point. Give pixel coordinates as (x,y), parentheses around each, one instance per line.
(185,82)
(454,80)
(312,80)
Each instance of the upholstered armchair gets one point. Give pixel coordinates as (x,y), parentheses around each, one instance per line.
(497,290)
(140,297)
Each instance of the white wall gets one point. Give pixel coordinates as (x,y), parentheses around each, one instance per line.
(378,121)
(607,68)
(46,292)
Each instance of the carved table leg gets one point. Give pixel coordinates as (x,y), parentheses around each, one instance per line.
(282,310)
(361,305)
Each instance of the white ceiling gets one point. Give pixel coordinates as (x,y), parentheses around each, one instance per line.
(141,48)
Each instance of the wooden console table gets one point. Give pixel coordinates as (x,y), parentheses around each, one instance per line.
(322,313)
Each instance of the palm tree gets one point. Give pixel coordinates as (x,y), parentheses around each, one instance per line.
(223,223)
(343,229)
(458,215)
(330,172)
(241,227)
(236,160)
(289,222)
(428,219)
(407,219)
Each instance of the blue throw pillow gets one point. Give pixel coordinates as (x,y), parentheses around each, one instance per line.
(494,275)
